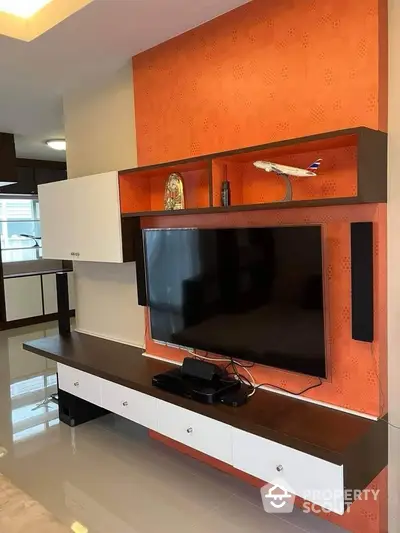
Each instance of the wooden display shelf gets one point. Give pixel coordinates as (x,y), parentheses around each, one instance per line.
(324,202)
(353,171)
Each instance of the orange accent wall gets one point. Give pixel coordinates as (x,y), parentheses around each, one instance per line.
(266,71)
(353,366)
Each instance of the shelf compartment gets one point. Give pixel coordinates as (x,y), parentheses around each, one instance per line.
(144,189)
(353,171)
(336,178)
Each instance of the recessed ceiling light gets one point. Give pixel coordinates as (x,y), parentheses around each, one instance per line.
(57,144)
(22,8)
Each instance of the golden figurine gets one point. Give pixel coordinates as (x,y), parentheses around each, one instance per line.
(174,196)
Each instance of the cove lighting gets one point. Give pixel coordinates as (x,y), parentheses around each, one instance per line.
(22,8)
(57,144)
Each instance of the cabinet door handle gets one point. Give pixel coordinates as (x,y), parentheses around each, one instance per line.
(76,384)
(189,430)
(279,468)
(125,404)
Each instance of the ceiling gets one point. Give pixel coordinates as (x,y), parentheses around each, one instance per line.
(86,47)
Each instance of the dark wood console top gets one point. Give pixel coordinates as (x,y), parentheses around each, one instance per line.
(326,433)
(38,273)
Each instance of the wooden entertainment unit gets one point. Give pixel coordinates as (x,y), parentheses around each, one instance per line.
(317,451)
(314,450)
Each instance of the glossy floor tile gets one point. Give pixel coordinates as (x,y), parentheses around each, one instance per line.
(19,513)
(107,476)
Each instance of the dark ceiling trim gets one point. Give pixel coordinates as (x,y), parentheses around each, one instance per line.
(41,163)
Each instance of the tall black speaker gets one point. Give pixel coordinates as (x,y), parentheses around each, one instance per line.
(362,281)
(64,324)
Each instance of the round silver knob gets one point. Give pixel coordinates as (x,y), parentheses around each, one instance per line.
(189,430)
(125,404)
(279,468)
(76,384)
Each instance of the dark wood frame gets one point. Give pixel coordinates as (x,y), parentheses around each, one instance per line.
(371,173)
(357,443)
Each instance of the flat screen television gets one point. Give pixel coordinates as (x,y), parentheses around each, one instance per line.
(254,294)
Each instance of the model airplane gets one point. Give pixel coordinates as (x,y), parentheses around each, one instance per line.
(289,171)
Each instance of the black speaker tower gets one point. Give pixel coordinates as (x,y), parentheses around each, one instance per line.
(362,281)
(64,325)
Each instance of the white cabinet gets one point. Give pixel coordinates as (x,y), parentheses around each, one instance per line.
(50,293)
(197,431)
(56,206)
(81,219)
(306,476)
(131,404)
(23,297)
(80,384)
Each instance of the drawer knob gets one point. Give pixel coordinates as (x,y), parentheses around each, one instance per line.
(76,384)
(189,430)
(279,468)
(125,404)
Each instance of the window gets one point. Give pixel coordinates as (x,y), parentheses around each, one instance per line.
(20,229)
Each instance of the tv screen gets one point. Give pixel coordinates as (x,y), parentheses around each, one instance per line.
(248,293)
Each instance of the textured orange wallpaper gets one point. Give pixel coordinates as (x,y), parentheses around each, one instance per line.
(353,366)
(266,71)
(270,71)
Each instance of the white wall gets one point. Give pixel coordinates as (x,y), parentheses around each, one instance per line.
(100,126)
(107,302)
(101,136)
(394,264)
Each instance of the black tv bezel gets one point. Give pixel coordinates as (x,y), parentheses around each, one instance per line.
(225,354)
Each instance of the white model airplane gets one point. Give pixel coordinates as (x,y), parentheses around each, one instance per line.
(289,171)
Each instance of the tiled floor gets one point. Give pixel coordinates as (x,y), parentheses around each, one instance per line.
(107,476)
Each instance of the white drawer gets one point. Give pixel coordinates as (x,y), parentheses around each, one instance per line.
(199,432)
(78,383)
(306,476)
(130,404)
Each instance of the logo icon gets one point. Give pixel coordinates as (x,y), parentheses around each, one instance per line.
(277,498)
